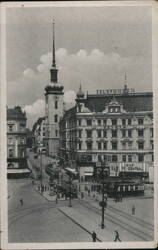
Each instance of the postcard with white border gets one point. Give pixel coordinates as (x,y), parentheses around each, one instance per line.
(78,124)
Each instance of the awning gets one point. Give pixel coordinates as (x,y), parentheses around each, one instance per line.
(18,171)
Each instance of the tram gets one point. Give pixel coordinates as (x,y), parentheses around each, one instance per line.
(125,188)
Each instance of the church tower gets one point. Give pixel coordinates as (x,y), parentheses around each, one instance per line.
(53,106)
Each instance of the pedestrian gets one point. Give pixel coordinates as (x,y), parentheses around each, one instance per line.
(33,182)
(88,192)
(21,202)
(94,236)
(133,210)
(121,197)
(117,236)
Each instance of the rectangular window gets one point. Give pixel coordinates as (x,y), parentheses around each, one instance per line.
(129,158)
(89,122)
(123,145)
(114,158)
(140,121)
(79,133)
(99,145)
(123,133)
(89,133)
(79,122)
(124,158)
(11,152)
(140,145)
(105,133)
(104,122)
(129,145)
(151,132)
(99,122)
(10,127)
(114,145)
(89,145)
(105,145)
(56,133)
(129,121)
(140,132)
(79,145)
(99,133)
(56,104)
(114,122)
(56,118)
(99,158)
(114,133)
(123,122)
(129,133)
(89,158)
(140,157)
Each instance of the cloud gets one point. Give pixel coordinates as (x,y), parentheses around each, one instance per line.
(37,108)
(93,69)
(69,96)
(28,73)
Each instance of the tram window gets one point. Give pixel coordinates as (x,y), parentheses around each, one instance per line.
(123,188)
(131,188)
(128,188)
(136,188)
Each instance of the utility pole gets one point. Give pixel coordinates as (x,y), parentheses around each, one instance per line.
(103,205)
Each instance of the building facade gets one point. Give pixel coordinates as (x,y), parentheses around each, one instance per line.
(114,127)
(38,130)
(53,108)
(16,143)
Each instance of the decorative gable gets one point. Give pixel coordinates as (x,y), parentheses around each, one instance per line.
(114,107)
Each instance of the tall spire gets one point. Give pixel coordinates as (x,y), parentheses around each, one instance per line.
(53,52)
(53,70)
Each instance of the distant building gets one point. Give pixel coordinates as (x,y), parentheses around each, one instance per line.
(53,108)
(16,143)
(114,127)
(30,139)
(38,130)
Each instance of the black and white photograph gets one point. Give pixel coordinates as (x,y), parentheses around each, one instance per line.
(79,163)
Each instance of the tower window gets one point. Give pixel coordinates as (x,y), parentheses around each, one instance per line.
(56,104)
(56,118)
(56,133)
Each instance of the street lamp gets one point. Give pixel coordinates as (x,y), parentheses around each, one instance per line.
(41,173)
(70,205)
(103,202)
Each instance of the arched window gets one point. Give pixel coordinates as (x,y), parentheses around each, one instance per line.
(56,118)
(56,104)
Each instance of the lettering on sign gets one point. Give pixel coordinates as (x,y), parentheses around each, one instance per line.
(115,91)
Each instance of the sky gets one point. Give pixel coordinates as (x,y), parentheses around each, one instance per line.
(95,46)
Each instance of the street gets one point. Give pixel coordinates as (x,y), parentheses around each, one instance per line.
(41,220)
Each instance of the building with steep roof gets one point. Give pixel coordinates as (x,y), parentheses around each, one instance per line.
(113,126)
(16,143)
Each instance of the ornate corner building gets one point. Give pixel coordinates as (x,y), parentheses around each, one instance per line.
(112,126)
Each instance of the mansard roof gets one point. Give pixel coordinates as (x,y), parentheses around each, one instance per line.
(135,102)
(15,113)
